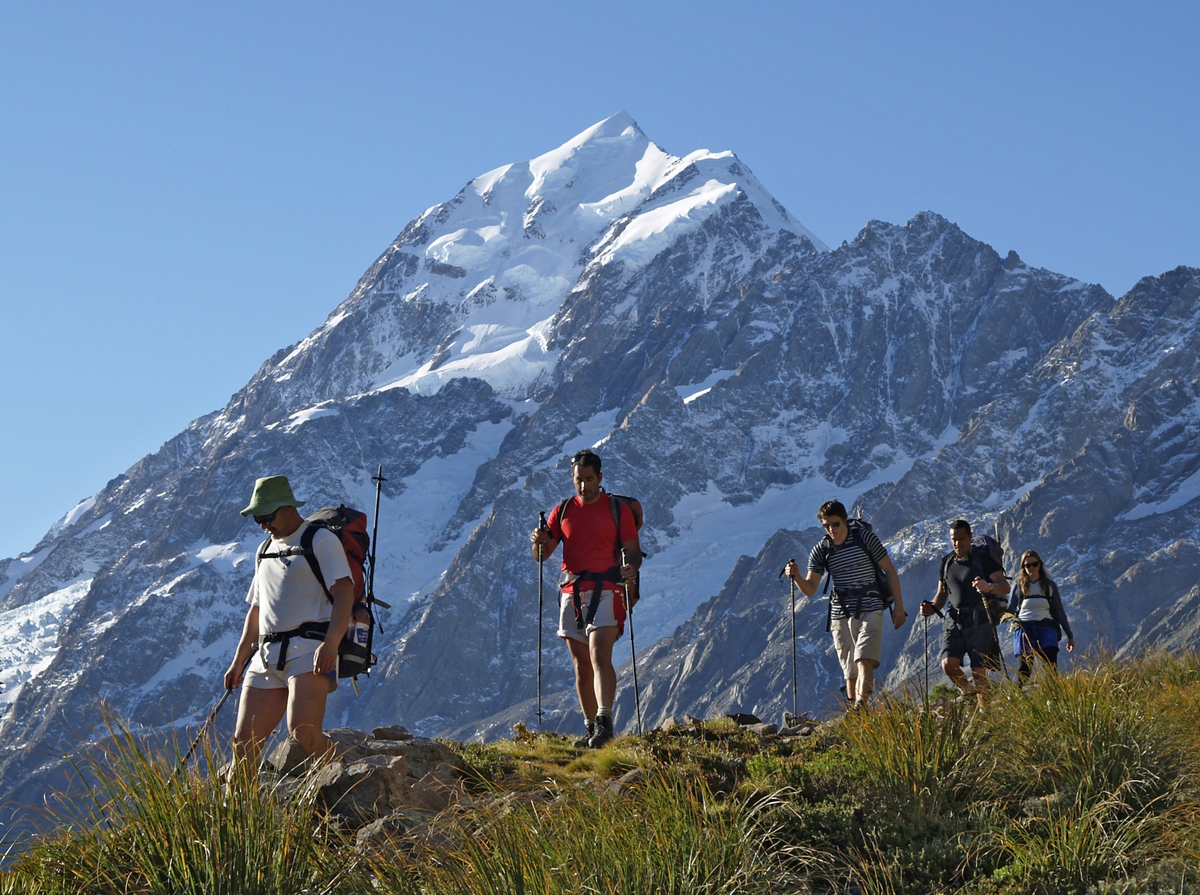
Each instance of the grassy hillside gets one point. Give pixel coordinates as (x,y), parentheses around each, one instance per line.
(1076,784)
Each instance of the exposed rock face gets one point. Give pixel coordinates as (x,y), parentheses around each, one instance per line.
(732,371)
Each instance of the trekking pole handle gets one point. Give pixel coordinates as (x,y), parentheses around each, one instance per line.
(542,526)
(784,569)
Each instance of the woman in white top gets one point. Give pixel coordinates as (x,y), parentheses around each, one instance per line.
(1039,610)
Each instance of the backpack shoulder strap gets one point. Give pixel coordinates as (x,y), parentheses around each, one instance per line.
(261,551)
(306,544)
(562,511)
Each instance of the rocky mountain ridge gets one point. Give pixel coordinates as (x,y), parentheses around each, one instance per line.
(733,372)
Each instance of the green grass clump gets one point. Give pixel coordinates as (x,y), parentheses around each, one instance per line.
(1080,784)
(672,835)
(143,827)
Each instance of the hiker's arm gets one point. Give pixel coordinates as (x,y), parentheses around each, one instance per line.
(997,584)
(245,649)
(546,539)
(325,658)
(893,577)
(632,553)
(1060,615)
(934,606)
(809,583)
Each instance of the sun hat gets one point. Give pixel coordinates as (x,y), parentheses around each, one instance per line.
(270,494)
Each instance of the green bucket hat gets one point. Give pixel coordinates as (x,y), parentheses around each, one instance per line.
(270,494)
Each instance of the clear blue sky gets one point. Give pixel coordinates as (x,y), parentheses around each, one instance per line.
(186,187)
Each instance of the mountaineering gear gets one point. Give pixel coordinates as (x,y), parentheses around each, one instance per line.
(637,696)
(795,696)
(212,716)
(541,559)
(271,493)
(865,592)
(584,741)
(349,526)
(926,619)
(612,575)
(604,731)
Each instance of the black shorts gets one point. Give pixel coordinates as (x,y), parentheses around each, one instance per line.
(976,641)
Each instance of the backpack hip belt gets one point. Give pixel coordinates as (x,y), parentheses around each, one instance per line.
(969,616)
(306,631)
(844,595)
(573,579)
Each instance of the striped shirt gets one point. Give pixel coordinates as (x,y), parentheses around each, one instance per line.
(855,589)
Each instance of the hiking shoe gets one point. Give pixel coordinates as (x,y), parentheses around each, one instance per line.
(583,742)
(604,731)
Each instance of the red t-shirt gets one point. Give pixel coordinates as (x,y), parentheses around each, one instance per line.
(589,535)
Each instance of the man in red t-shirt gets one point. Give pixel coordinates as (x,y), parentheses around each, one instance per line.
(598,556)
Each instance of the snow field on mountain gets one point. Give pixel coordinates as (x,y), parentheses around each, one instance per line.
(29,638)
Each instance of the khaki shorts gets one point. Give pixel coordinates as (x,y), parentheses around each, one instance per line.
(856,639)
(611,611)
(263,674)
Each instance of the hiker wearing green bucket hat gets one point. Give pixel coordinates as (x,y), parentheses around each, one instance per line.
(291,633)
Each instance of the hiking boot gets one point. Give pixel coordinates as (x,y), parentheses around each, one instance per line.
(582,743)
(604,731)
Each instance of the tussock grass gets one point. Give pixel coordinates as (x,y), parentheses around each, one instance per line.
(1084,783)
(672,836)
(145,827)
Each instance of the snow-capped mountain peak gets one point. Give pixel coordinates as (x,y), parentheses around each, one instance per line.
(496,264)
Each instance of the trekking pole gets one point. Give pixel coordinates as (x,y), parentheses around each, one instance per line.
(995,634)
(637,697)
(378,479)
(541,525)
(795,697)
(212,716)
(926,619)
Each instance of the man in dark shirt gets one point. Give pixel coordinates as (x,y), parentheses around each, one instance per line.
(968,578)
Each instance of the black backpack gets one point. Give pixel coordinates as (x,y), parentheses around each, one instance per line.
(854,536)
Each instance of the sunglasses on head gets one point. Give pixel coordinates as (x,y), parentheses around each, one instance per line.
(268,519)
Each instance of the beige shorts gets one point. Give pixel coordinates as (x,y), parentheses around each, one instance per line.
(856,639)
(263,674)
(611,611)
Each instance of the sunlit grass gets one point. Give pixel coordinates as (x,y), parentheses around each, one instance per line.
(1087,782)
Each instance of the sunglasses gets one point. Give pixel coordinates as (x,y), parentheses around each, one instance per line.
(1032,564)
(268,519)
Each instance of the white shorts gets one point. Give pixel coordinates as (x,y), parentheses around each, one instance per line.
(856,639)
(610,612)
(263,674)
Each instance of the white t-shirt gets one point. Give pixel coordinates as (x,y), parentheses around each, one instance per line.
(286,591)
(1035,607)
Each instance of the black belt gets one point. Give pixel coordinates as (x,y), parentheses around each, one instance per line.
(307,631)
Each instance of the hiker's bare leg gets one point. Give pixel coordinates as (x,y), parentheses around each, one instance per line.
(600,647)
(306,712)
(585,685)
(851,689)
(953,669)
(866,679)
(259,710)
